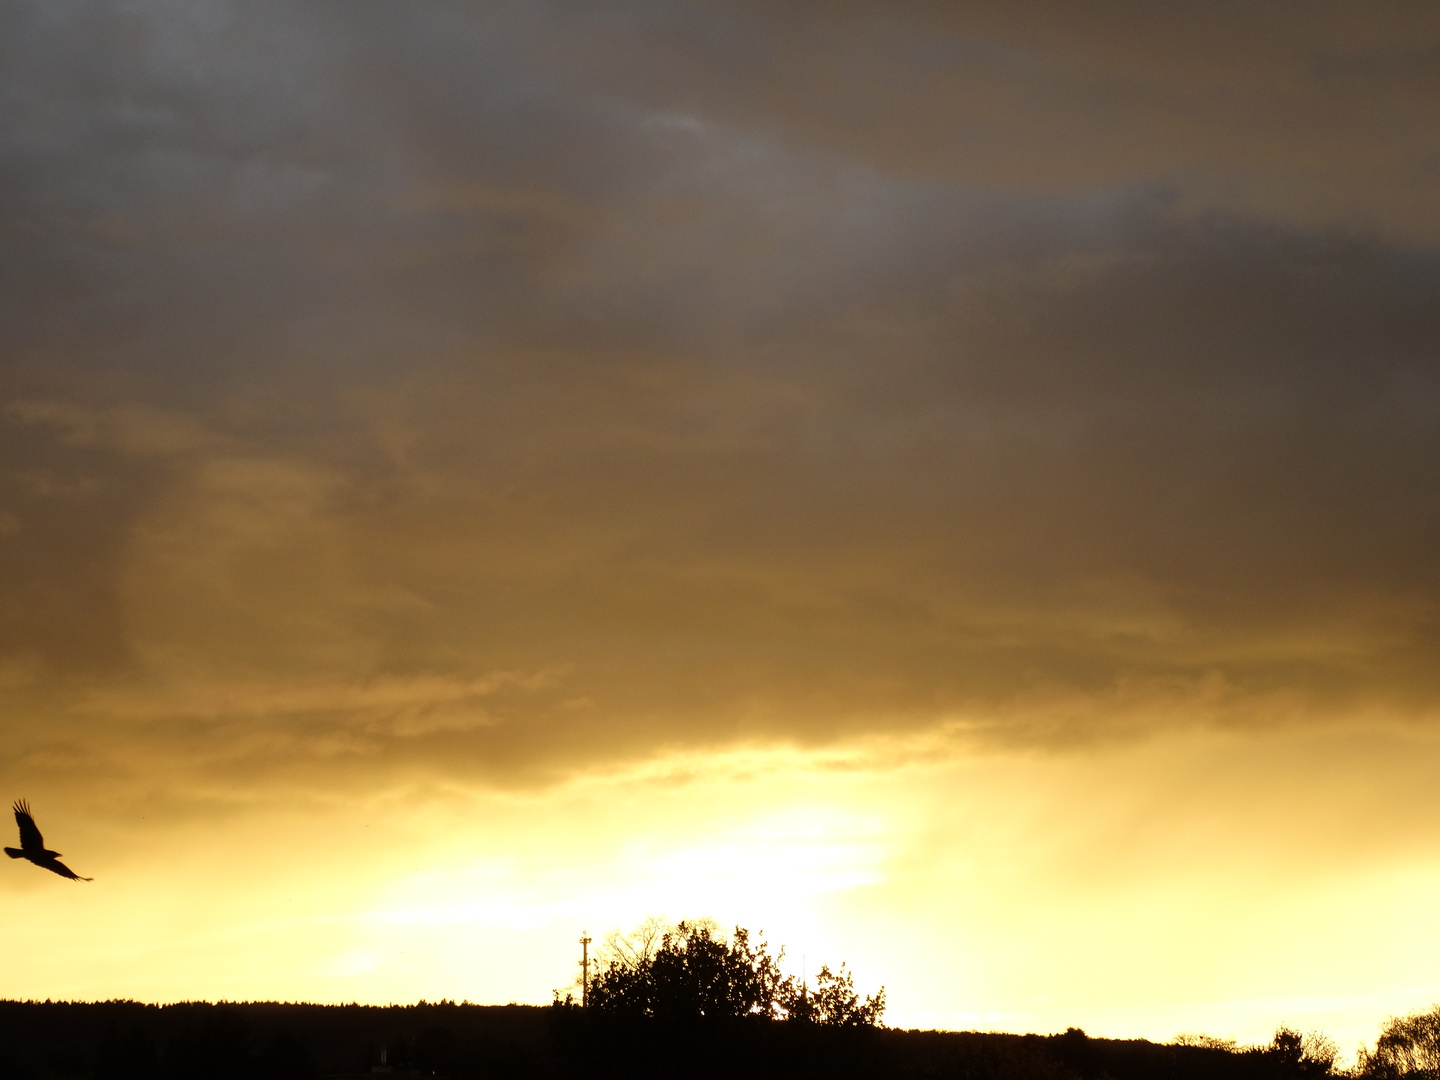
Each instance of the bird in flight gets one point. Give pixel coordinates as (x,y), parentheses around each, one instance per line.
(32,845)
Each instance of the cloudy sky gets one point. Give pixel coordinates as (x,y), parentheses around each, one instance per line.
(956,487)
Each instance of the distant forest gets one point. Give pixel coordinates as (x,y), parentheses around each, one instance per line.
(124,1040)
(682,1001)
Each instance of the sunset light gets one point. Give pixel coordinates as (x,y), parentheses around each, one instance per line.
(953,490)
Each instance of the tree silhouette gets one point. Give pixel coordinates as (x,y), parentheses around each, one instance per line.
(691,972)
(833,1002)
(1409,1046)
(1292,1054)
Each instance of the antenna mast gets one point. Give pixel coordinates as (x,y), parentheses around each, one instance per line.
(584,968)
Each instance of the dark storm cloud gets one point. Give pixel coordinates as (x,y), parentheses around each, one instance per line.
(1312,114)
(480,388)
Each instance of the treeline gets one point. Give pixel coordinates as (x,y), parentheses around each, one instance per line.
(128,1040)
(122,1040)
(677,1001)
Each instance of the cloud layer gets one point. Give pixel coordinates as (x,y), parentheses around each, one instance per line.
(492,392)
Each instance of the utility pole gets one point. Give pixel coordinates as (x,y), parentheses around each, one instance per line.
(584,968)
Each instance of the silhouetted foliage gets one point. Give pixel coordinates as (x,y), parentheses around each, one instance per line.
(123,1040)
(690,972)
(833,1002)
(1409,1046)
(1292,1054)
(684,1000)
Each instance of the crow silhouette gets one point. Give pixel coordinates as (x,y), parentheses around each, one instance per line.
(32,845)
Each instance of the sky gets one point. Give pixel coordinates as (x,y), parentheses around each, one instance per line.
(955,488)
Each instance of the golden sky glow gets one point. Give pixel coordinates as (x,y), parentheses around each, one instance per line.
(954,491)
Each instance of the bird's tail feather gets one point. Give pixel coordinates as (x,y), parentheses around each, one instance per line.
(14,853)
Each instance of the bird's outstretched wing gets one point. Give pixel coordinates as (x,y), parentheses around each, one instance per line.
(30,838)
(58,867)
